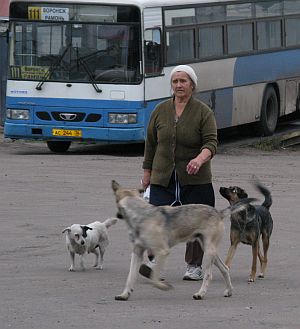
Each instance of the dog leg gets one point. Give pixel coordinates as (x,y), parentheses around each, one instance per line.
(160,259)
(82,262)
(135,263)
(255,249)
(102,251)
(72,257)
(231,252)
(261,260)
(225,272)
(96,264)
(264,261)
(207,262)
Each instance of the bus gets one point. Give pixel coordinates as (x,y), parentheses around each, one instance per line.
(94,70)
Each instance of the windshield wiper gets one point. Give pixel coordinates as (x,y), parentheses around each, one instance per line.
(82,62)
(52,67)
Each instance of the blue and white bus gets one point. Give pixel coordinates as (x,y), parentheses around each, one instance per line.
(94,70)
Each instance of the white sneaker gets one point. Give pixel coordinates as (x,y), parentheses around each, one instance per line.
(193,273)
(189,270)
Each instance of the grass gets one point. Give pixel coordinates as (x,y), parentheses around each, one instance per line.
(268,144)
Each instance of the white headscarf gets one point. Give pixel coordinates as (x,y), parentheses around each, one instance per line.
(188,70)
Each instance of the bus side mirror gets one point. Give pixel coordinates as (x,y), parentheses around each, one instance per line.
(152,50)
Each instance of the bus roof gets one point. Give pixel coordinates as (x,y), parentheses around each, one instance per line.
(138,3)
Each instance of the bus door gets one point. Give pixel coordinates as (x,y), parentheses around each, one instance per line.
(153,70)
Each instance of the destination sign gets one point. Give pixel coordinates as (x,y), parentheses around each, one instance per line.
(48,13)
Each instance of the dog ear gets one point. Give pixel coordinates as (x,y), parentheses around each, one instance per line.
(115,186)
(242,194)
(85,229)
(66,229)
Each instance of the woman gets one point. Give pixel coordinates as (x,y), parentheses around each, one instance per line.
(181,141)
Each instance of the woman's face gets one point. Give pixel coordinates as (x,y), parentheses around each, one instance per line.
(182,85)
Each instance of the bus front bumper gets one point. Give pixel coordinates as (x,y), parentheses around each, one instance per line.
(105,135)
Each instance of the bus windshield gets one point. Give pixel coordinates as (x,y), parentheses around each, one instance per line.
(75,52)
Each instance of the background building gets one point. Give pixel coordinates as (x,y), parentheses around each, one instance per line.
(3,55)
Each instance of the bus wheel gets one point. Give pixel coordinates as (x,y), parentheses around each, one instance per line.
(58,147)
(269,113)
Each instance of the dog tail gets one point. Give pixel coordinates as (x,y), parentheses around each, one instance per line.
(238,206)
(266,193)
(110,221)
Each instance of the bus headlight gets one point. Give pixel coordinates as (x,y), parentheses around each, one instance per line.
(123,118)
(17,114)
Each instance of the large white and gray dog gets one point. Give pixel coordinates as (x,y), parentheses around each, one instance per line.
(85,239)
(160,228)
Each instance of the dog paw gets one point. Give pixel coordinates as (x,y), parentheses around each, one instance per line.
(251,280)
(163,285)
(227,293)
(198,296)
(122,297)
(71,269)
(100,267)
(260,276)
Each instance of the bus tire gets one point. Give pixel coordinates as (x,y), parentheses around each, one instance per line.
(269,113)
(58,147)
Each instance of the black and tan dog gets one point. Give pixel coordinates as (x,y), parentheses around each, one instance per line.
(160,228)
(249,225)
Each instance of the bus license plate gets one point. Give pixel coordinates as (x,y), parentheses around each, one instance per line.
(67,132)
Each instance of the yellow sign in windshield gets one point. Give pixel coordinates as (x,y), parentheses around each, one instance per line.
(33,72)
(29,72)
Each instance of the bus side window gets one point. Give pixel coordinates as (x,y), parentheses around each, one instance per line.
(152,51)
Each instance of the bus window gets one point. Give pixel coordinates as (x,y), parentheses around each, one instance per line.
(240,38)
(153,51)
(291,7)
(292,28)
(268,8)
(210,14)
(75,52)
(180,16)
(180,46)
(239,11)
(211,41)
(269,34)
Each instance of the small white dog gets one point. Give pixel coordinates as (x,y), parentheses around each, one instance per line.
(85,239)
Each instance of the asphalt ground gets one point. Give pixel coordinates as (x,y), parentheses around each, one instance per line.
(41,193)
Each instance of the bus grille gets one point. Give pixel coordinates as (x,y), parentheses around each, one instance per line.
(78,116)
(59,116)
(43,116)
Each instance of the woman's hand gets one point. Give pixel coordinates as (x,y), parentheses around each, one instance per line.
(145,181)
(195,164)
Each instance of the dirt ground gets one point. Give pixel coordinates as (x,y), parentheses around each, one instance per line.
(41,193)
